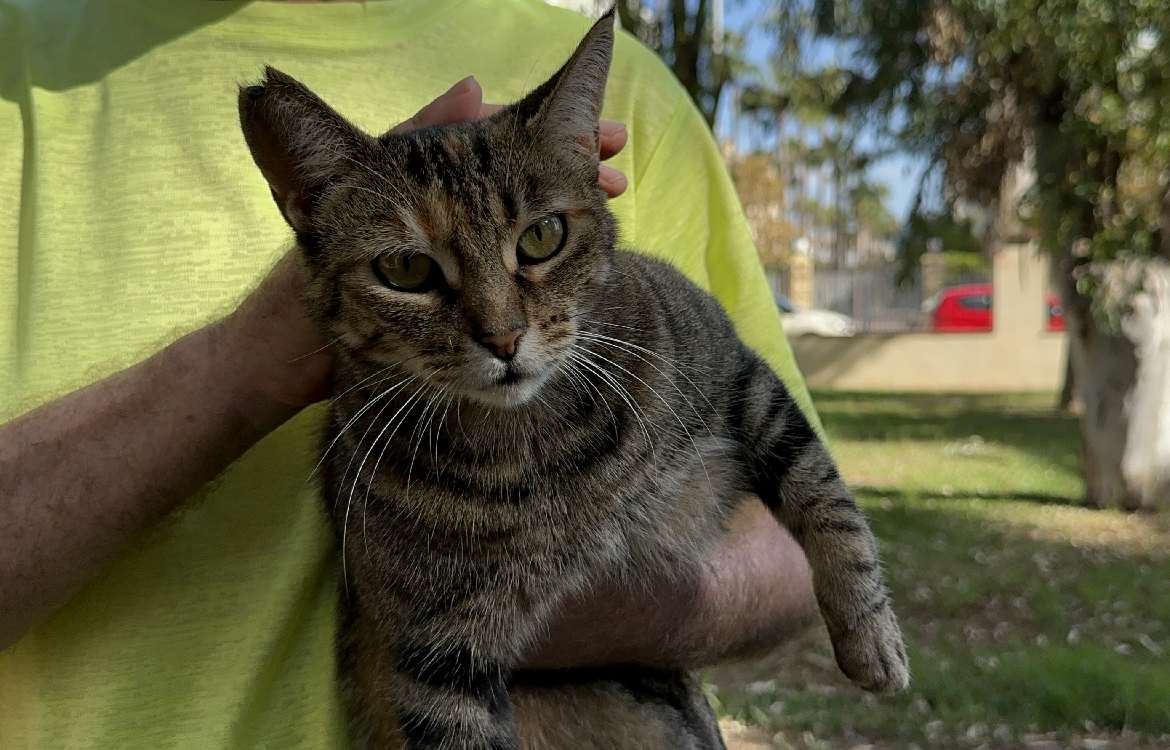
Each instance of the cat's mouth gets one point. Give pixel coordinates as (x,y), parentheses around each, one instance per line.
(511,376)
(509,387)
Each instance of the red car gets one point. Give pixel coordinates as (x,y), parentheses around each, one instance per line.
(967,309)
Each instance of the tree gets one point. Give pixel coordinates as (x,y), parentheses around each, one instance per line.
(1075,91)
(760,186)
(683,37)
(831,193)
(954,235)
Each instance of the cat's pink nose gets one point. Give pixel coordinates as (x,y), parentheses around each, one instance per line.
(503,345)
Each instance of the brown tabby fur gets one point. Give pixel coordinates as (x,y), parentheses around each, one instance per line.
(472,493)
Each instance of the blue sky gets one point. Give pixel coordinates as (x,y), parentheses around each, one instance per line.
(900,171)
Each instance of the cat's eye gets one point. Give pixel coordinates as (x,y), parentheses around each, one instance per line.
(406,272)
(542,240)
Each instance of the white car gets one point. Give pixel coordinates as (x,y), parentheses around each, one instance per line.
(824,323)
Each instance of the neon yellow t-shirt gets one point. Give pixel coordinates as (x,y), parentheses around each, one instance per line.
(132,212)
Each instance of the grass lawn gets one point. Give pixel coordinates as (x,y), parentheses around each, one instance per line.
(1030,622)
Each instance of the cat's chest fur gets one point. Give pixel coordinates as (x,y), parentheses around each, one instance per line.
(572,482)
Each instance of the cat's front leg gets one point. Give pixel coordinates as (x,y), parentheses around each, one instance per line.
(455,642)
(451,695)
(793,473)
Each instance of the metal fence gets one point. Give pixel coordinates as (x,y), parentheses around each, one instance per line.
(778,280)
(870,296)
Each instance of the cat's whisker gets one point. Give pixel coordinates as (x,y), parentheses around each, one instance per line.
(445,394)
(582,354)
(395,420)
(581,380)
(550,408)
(357,415)
(378,462)
(357,476)
(666,403)
(359,188)
(364,380)
(633,350)
(676,366)
(608,325)
(459,421)
(591,389)
(675,414)
(397,190)
(374,470)
(428,413)
(318,350)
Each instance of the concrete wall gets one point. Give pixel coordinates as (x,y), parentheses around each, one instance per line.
(1018,355)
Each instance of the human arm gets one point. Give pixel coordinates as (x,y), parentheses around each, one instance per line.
(754,592)
(80,476)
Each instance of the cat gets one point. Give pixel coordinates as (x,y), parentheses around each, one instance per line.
(521,411)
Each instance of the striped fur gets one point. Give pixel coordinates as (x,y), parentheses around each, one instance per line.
(472,495)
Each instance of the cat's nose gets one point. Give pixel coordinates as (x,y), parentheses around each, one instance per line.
(502,345)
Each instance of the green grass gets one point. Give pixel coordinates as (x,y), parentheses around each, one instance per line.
(1023,612)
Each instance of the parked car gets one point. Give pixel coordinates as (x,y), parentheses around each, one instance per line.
(967,308)
(825,323)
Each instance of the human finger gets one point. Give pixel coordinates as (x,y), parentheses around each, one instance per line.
(459,103)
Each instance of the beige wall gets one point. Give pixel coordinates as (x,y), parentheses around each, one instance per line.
(1018,355)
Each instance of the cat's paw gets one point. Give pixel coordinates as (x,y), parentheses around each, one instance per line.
(872,654)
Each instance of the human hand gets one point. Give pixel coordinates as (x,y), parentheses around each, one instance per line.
(284,361)
(464,102)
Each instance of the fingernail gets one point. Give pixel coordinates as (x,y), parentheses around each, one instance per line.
(462,87)
(612,179)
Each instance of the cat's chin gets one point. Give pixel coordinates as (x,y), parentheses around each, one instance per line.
(508,394)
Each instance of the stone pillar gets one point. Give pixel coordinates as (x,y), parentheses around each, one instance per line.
(800,280)
(1020,276)
(934,273)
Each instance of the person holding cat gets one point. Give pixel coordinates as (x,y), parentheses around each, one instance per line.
(166,578)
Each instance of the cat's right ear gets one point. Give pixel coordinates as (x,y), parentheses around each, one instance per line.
(565,110)
(298,141)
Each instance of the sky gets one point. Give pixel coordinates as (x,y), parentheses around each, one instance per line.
(900,171)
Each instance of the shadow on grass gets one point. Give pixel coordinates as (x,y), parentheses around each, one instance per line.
(981,577)
(1041,498)
(886,416)
(1024,423)
(988,611)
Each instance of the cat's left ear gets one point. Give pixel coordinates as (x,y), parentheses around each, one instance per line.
(565,110)
(299,142)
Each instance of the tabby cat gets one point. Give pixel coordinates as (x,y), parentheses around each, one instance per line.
(522,411)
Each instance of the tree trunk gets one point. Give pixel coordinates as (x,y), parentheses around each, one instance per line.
(1065,402)
(1123,381)
(1146,465)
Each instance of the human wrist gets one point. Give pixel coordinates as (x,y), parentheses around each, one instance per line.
(242,372)
(616,624)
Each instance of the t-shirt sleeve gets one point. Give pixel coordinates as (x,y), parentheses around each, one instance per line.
(689,214)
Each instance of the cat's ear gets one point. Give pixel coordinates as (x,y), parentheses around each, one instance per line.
(299,142)
(565,110)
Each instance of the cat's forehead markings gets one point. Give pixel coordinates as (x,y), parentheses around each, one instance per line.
(441,212)
(422,225)
(511,262)
(452,144)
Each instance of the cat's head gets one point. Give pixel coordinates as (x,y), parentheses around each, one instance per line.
(466,253)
